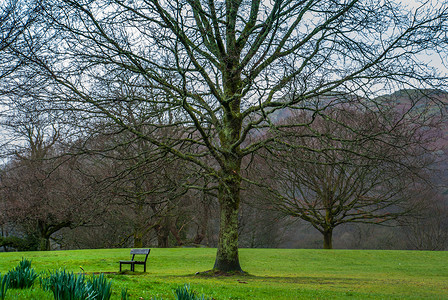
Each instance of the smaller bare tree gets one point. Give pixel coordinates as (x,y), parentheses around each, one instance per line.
(354,168)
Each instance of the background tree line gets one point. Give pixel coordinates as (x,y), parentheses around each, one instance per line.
(172,117)
(110,190)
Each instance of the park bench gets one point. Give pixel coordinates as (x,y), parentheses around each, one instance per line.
(134,262)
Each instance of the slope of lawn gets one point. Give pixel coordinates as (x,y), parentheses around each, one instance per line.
(273,273)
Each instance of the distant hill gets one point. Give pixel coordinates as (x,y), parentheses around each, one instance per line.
(428,102)
(431,103)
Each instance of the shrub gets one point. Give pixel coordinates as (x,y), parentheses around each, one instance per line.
(4,283)
(68,286)
(22,276)
(26,243)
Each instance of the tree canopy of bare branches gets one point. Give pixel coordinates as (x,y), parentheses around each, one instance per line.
(221,69)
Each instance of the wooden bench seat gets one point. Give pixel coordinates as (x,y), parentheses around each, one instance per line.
(134,262)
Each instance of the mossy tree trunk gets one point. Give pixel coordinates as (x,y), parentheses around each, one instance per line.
(227,258)
(43,238)
(44,232)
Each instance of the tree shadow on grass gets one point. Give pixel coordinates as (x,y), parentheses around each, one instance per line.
(247,277)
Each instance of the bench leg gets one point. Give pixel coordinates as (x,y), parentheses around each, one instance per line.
(132,267)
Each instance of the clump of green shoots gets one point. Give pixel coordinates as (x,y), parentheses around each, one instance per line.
(185,293)
(69,286)
(101,286)
(124,294)
(22,276)
(4,284)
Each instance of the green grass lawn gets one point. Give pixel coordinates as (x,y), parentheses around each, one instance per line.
(273,273)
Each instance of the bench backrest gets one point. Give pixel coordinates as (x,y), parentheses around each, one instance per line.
(140,252)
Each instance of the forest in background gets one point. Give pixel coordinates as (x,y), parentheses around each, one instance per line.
(228,123)
(108,191)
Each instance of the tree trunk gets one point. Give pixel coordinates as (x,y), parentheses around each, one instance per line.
(328,228)
(200,235)
(227,259)
(162,236)
(176,235)
(328,238)
(138,238)
(162,241)
(229,188)
(4,235)
(44,244)
(43,237)
(140,219)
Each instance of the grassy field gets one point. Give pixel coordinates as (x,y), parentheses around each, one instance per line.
(273,273)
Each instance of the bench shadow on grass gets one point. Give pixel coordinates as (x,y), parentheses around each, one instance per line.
(125,272)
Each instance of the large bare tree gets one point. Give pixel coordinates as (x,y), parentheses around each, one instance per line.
(222,68)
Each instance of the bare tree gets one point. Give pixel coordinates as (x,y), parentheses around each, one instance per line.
(223,68)
(40,200)
(148,184)
(350,176)
(41,190)
(140,177)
